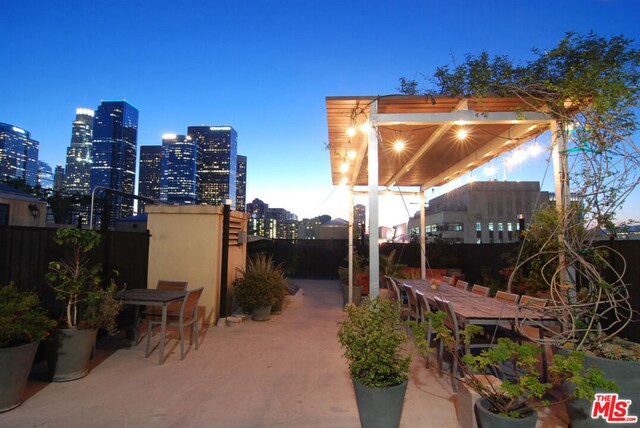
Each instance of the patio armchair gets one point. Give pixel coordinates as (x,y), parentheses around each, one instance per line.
(480,290)
(187,317)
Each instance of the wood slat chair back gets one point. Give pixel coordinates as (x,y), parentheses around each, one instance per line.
(403,300)
(412,303)
(480,290)
(507,297)
(462,285)
(446,279)
(532,301)
(187,317)
(171,285)
(394,293)
(429,332)
(173,308)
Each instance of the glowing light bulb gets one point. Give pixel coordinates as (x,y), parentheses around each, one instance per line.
(519,156)
(344,167)
(462,134)
(351,154)
(343,181)
(490,171)
(534,150)
(351,131)
(398,146)
(365,127)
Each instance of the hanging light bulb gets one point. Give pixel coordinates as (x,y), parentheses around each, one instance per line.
(462,134)
(344,167)
(351,154)
(365,127)
(398,146)
(534,150)
(490,171)
(351,131)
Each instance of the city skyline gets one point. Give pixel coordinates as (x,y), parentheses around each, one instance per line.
(266,69)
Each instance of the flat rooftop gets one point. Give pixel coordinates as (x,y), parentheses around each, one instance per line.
(287,372)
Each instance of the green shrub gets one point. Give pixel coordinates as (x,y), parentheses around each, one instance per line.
(22,320)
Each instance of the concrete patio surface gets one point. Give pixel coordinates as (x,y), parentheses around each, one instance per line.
(287,372)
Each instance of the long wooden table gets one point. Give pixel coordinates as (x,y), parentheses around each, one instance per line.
(152,297)
(471,308)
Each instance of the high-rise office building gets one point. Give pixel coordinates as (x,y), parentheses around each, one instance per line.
(79,153)
(113,155)
(58,178)
(216,163)
(45,175)
(178,169)
(241,183)
(149,173)
(18,154)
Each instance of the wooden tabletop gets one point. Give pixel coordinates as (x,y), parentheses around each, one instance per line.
(476,309)
(149,296)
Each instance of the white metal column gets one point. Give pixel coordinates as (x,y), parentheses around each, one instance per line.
(374,252)
(350,247)
(423,247)
(561,179)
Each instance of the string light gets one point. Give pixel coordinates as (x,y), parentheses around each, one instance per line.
(351,131)
(351,154)
(365,127)
(398,146)
(462,134)
(344,167)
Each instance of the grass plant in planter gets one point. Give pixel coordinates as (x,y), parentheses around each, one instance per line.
(89,306)
(261,286)
(372,337)
(22,325)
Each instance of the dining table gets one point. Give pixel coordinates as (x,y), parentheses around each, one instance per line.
(472,308)
(151,297)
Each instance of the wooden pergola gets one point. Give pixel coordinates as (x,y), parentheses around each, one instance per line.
(442,138)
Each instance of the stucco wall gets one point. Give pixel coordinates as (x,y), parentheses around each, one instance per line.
(19,213)
(185,245)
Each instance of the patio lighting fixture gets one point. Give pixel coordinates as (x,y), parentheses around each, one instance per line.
(343,181)
(490,171)
(351,131)
(344,167)
(398,146)
(534,150)
(462,134)
(34,210)
(351,154)
(365,127)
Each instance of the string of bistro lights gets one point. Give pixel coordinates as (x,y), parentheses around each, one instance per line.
(359,123)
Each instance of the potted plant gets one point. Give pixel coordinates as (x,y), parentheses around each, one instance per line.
(88,306)
(588,85)
(22,325)
(512,400)
(261,286)
(372,338)
(360,280)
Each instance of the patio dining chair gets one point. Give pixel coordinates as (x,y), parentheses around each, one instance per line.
(480,290)
(451,321)
(154,312)
(446,279)
(414,310)
(394,293)
(462,285)
(187,317)
(423,317)
(532,301)
(507,297)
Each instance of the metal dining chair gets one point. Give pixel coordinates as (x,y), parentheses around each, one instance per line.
(153,312)
(187,317)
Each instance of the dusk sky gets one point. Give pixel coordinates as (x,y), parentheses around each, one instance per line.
(265,68)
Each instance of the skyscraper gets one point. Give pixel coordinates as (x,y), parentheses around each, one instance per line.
(216,163)
(178,169)
(18,154)
(45,175)
(149,178)
(115,135)
(58,178)
(79,153)
(241,183)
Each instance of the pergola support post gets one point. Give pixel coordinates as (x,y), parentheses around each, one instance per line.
(350,247)
(423,247)
(374,251)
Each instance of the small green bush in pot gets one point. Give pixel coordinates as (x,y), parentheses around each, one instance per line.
(261,286)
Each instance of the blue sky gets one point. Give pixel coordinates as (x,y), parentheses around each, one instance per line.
(264,67)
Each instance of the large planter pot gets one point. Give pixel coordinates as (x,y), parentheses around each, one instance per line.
(380,407)
(15,365)
(357,292)
(68,352)
(624,373)
(486,419)
(261,314)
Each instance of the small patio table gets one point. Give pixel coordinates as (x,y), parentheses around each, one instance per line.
(152,297)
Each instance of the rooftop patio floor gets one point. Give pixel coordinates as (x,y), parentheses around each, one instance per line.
(287,372)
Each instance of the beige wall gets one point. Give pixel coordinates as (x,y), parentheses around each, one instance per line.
(20,215)
(186,245)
